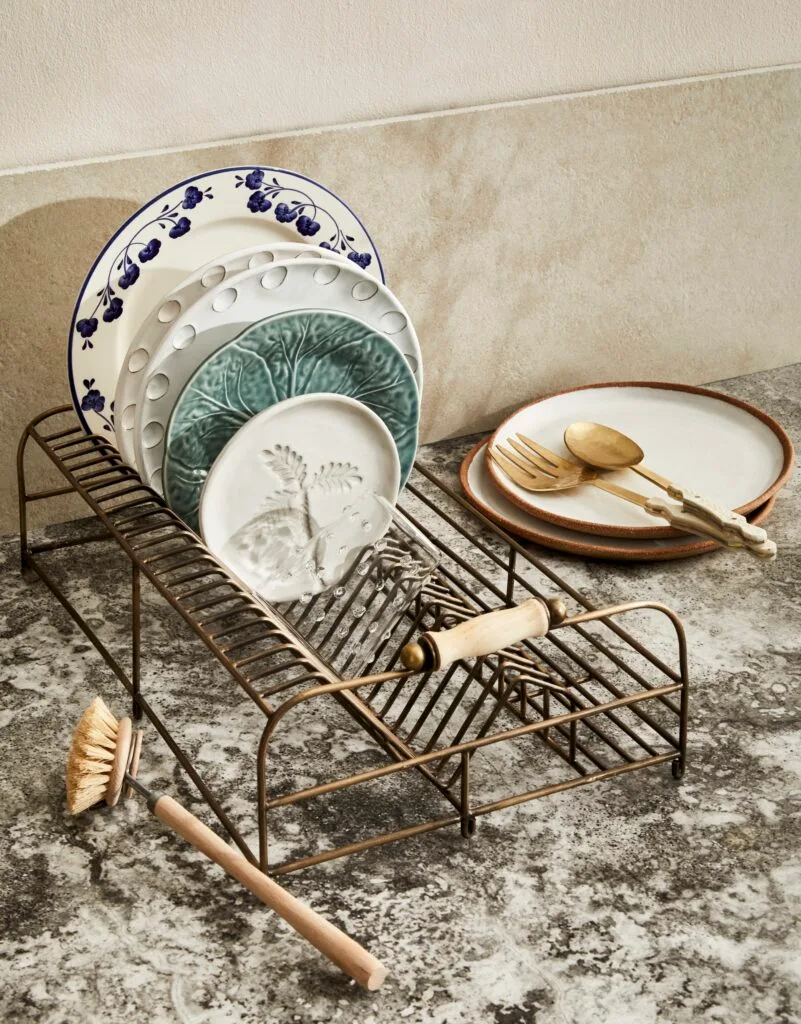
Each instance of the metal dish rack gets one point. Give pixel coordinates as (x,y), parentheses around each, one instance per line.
(592,699)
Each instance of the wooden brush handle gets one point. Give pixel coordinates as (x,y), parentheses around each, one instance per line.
(333,943)
(491,632)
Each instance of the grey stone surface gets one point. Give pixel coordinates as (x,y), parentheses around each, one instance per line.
(637,900)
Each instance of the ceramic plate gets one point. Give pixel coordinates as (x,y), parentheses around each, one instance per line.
(315,480)
(725,449)
(158,322)
(226,311)
(189,224)
(298,353)
(482,492)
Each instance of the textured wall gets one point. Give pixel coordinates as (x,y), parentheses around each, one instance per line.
(90,77)
(641,233)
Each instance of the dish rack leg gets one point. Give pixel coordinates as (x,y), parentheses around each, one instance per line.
(468,822)
(136,632)
(679,763)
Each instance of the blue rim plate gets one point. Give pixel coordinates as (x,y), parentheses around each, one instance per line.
(179,229)
(298,353)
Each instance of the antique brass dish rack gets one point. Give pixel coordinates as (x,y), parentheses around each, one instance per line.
(589,695)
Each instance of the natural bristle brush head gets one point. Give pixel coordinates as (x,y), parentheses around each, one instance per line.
(98,758)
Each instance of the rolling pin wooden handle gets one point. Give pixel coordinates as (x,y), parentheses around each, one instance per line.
(347,954)
(491,632)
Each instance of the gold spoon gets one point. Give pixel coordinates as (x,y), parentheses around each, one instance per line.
(606,448)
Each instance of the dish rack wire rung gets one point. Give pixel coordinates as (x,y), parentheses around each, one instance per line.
(599,701)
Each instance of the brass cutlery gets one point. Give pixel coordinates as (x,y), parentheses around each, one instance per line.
(536,468)
(606,448)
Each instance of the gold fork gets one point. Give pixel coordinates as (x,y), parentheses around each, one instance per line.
(536,468)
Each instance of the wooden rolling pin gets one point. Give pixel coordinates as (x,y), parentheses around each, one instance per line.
(483,634)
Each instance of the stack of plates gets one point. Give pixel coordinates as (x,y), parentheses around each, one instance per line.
(720,447)
(236,341)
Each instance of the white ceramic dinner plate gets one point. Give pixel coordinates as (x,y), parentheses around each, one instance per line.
(725,449)
(482,492)
(315,479)
(181,228)
(230,308)
(159,320)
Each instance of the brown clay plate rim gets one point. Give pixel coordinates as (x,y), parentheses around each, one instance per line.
(645,552)
(645,532)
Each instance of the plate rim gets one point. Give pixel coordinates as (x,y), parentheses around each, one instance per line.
(599,550)
(154,199)
(646,532)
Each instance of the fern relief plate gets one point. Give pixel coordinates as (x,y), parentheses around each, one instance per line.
(181,228)
(315,480)
(300,353)
(224,312)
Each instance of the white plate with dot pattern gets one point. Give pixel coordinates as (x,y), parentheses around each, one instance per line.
(158,322)
(231,307)
(186,225)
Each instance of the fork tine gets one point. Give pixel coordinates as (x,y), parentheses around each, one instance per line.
(524,477)
(531,459)
(555,460)
(520,460)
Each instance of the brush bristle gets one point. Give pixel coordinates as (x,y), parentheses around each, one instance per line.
(91,757)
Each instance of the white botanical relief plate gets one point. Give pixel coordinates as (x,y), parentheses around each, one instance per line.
(181,228)
(158,321)
(315,479)
(229,309)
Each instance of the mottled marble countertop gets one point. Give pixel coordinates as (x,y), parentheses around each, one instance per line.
(634,901)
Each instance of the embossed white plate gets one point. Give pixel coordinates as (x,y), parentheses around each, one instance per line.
(159,320)
(298,492)
(181,228)
(227,310)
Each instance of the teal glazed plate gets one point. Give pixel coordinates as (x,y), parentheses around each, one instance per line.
(300,353)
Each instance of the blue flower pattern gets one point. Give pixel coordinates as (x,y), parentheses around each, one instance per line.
(138,250)
(87,327)
(180,227)
(130,276)
(298,207)
(192,197)
(94,402)
(149,251)
(113,311)
(259,203)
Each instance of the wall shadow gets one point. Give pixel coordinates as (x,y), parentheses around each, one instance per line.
(45,254)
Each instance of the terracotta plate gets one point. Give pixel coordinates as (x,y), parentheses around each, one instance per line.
(482,492)
(724,449)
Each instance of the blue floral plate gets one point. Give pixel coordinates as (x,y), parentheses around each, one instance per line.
(181,228)
(299,353)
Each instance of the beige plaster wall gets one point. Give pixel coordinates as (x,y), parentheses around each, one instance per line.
(644,233)
(83,78)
